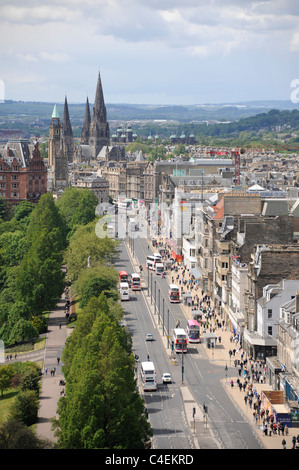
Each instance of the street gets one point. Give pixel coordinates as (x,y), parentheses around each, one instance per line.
(225,428)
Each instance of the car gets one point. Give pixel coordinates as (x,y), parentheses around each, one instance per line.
(166,377)
(149,337)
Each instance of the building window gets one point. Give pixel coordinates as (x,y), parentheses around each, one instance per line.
(269,312)
(270,330)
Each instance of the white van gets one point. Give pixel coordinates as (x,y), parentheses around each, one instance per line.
(124,291)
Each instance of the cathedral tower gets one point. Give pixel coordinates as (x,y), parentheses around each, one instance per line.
(54,137)
(58,160)
(99,135)
(67,133)
(86,125)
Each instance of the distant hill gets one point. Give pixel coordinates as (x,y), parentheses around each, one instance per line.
(132,112)
(225,121)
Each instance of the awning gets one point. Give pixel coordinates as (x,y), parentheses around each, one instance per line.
(196,273)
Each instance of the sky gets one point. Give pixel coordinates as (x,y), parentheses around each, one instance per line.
(149,51)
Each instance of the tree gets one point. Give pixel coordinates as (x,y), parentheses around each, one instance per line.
(25,407)
(102,408)
(77,206)
(23,210)
(46,218)
(16,435)
(6,374)
(85,243)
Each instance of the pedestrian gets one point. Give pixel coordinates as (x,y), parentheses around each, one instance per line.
(286,430)
(58,360)
(46,370)
(284,444)
(294,442)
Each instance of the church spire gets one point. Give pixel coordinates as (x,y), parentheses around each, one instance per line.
(99,109)
(99,135)
(86,125)
(68,142)
(66,122)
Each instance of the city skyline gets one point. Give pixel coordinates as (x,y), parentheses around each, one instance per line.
(149,52)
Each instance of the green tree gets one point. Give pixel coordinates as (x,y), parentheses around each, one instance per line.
(85,243)
(16,435)
(6,374)
(77,206)
(31,380)
(25,408)
(102,408)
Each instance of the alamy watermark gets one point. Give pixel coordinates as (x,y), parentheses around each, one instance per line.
(169,221)
(294,97)
(2,91)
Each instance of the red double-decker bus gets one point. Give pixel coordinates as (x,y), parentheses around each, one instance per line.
(123,276)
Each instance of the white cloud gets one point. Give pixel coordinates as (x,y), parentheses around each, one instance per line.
(143,45)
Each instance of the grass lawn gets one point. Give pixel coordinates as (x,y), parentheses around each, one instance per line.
(40,343)
(6,402)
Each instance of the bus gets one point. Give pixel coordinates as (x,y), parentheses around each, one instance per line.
(174,293)
(159,268)
(132,225)
(180,340)
(157,257)
(124,291)
(123,276)
(148,376)
(193,331)
(135,281)
(151,263)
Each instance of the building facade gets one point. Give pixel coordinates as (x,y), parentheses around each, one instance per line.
(23,175)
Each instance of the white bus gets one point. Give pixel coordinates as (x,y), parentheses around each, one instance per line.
(151,263)
(148,376)
(159,268)
(157,257)
(124,291)
(132,225)
(135,281)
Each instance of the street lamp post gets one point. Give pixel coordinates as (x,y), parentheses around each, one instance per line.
(163,314)
(168,328)
(151,288)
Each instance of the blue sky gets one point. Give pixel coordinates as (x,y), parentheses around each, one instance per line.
(149,51)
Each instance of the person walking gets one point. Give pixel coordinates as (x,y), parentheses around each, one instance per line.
(284,444)
(294,442)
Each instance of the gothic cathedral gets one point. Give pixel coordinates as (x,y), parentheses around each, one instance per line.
(95,134)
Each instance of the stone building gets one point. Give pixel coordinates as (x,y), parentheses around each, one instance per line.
(23,175)
(98,185)
(270,264)
(58,153)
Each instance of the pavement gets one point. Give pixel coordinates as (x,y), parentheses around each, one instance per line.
(50,388)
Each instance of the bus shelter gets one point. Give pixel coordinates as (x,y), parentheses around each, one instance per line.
(210,339)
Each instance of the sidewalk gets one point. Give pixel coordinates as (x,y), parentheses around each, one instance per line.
(50,388)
